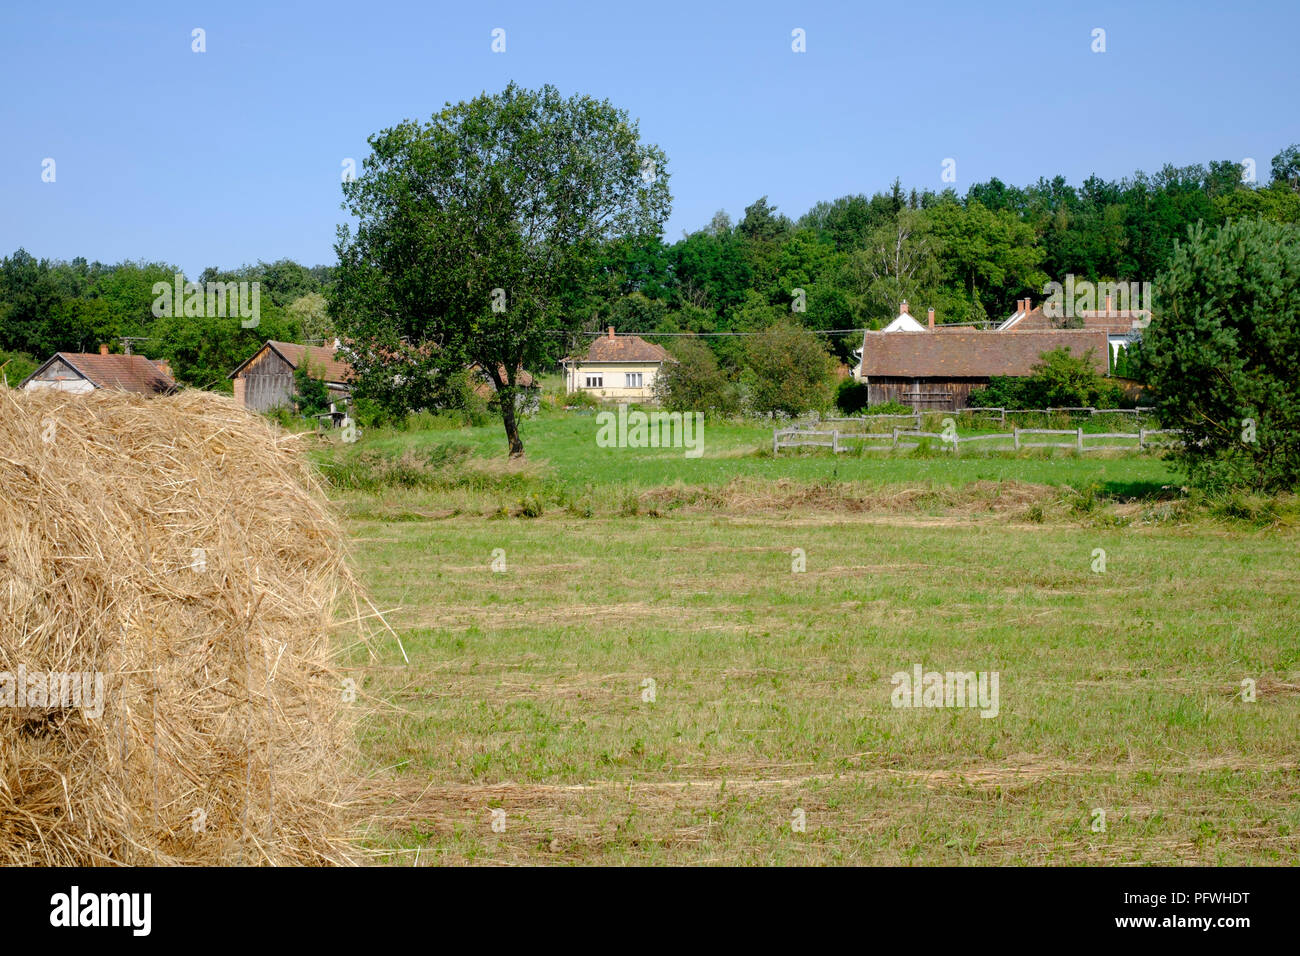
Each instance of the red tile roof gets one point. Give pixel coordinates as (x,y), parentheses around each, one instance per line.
(1116,321)
(321,362)
(128,373)
(969,353)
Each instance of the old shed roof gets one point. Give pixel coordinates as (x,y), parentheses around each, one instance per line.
(1116,321)
(321,362)
(128,373)
(970,353)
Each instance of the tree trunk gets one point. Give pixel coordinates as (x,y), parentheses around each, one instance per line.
(506,394)
(511,422)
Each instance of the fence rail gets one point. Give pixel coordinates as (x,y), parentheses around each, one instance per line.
(835,440)
(1004,412)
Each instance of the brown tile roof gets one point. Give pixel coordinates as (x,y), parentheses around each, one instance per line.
(626,348)
(1116,321)
(128,373)
(971,353)
(320,360)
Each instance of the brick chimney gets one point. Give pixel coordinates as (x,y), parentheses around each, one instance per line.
(902,308)
(164,366)
(103,350)
(1108,311)
(611,332)
(930,318)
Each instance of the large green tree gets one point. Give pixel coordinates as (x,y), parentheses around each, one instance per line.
(479,232)
(1223,352)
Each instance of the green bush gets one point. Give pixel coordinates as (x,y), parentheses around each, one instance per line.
(787,369)
(1059,380)
(890,408)
(694,383)
(851,396)
(313,396)
(16,366)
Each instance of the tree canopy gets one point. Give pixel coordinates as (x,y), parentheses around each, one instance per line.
(480,234)
(1224,354)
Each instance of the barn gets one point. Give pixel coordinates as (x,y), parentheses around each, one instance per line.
(938,369)
(79,372)
(265,380)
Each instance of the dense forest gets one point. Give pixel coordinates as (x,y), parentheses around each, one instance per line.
(969,257)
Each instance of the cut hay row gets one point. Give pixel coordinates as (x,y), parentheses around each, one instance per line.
(744,495)
(178,550)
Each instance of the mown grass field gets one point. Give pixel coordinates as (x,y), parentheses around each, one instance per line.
(528,687)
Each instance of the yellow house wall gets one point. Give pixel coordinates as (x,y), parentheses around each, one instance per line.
(614,389)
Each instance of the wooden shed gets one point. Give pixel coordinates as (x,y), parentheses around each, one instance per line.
(80,372)
(265,380)
(938,369)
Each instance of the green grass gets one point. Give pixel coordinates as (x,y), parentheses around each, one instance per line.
(524,689)
(464,469)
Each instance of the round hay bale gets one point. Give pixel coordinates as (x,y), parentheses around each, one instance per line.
(169,576)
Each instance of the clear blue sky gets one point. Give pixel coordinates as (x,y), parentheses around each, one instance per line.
(235,154)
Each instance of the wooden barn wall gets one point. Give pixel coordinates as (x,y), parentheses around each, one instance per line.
(268,382)
(923,393)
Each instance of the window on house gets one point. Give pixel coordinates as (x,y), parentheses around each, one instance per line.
(595,381)
(633,379)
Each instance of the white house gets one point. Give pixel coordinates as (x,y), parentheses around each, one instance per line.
(620,368)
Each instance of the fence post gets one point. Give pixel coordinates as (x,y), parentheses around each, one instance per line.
(1004,415)
(835,441)
(1142,438)
(1079,438)
(895,442)
(1015,432)
(775,441)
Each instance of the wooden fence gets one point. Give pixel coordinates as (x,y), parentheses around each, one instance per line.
(1004,412)
(838,441)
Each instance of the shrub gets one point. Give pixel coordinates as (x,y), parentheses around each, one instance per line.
(694,383)
(313,397)
(1059,380)
(16,366)
(787,369)
(851,396)
(581,399)
(890,408)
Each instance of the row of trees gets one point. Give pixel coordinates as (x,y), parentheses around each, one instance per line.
(55,306)
(970,257)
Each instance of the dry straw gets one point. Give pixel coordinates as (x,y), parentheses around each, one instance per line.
(179,547)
